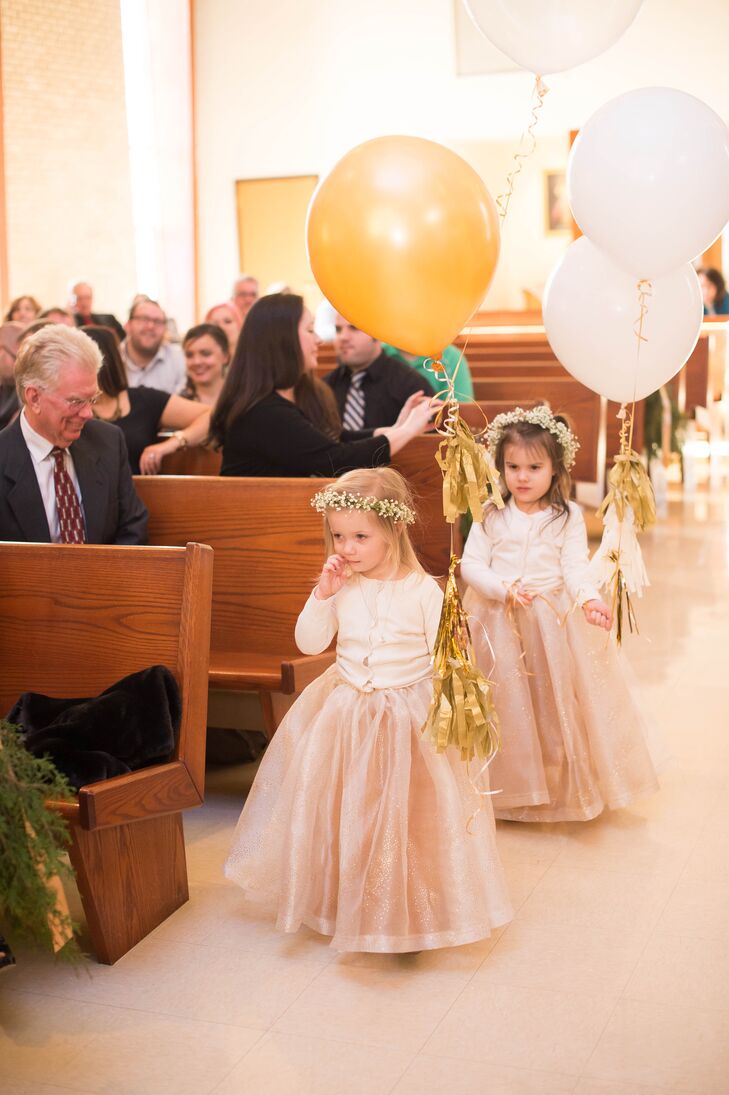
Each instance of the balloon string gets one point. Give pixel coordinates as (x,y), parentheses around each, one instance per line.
(645,290)
(529,136)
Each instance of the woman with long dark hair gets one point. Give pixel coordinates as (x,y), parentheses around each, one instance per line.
(258,422)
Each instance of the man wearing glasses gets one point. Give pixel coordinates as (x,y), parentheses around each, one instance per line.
(64,475)
(150,361)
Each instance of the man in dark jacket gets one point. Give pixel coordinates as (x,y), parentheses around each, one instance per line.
(82,297)
(369,387)
(64,476)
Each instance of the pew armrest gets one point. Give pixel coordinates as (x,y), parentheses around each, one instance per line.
(247,671)
(296,673)
(148,792)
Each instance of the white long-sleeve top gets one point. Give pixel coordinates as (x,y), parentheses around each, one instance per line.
(385,630)
(537,550)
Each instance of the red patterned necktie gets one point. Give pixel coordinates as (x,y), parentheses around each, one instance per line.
(70,517)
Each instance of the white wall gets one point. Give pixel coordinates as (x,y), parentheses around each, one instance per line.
(285,88)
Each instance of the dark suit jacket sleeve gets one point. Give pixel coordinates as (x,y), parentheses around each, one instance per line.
(132,523)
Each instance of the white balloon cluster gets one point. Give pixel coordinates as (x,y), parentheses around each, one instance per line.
(648,184)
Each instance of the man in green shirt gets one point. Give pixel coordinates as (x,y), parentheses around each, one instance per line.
(450,357)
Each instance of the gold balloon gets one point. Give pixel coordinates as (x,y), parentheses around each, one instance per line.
(403,240)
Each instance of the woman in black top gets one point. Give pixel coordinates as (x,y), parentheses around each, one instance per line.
(257,422)
(141,413)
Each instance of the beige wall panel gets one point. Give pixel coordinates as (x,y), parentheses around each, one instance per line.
(66,162)
(271,223)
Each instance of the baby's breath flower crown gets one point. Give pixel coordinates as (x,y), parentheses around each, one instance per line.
(342,499)
(538,416)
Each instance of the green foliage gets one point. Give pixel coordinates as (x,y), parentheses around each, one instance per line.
(33,841)
(653,427)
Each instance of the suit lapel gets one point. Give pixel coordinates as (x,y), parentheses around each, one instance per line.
(23,495)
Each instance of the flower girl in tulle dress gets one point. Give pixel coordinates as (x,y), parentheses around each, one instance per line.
(354,825)
(572,738)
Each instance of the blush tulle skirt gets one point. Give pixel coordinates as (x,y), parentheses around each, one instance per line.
(357,828)
(573,740)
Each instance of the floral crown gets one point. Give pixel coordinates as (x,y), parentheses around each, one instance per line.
(343,499)
(538,416)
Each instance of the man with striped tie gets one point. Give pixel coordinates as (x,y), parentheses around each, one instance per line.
(369,387)
(64,475)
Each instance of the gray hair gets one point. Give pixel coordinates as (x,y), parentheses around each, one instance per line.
(245,277)
(42,356)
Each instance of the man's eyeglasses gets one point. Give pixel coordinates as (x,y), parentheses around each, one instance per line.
(151,320)
(74,403)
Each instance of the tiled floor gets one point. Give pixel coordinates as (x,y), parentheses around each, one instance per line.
(613,978)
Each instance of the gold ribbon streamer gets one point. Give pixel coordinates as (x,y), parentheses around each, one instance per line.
(468,477)
(538,94)
(629,485)
(462,711)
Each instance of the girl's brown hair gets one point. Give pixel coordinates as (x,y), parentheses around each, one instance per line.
(381,483)
(536,439)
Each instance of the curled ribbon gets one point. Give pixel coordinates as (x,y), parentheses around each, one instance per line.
(528,137)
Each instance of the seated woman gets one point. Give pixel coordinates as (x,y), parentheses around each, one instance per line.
(713,289)
(257,421)
(141,413)
(207,356)
(23,310)
(9,406)
(228,317)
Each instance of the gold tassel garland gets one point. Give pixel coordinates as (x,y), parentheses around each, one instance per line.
(629,489)
(462,710)
(468,477)
(629,485)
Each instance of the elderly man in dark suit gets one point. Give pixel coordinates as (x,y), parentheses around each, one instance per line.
(82,298)
(64,476)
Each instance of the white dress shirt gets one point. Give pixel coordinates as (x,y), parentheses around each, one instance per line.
(385,630)
(538,550)
(43,465)
(166,371)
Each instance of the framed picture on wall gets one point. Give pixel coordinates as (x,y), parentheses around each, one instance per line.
(557,215)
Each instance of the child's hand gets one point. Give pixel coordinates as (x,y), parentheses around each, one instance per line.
(518,596)
(598,613)
(332,578)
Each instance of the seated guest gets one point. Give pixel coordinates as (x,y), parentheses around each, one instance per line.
(228,317)
(207,356)
(369,388)
(150,361)
(245,294)
(82,299)
(452,359)
(58,315)
(9,339)
(23,310)
(257,422)
(143,413)
(66,477)
(713,288)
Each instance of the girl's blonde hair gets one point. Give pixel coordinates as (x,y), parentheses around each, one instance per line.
(380,483)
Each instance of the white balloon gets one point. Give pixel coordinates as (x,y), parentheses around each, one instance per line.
(590,311)
(552,35)
(648,179)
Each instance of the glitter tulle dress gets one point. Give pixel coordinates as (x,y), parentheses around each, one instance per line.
(354,825)
(573,740)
